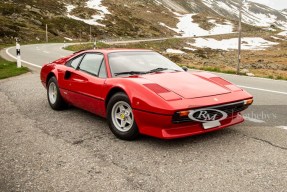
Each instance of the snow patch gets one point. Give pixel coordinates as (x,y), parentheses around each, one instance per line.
(284,33)
(248,43)
(282,127)
(270,29)
(189,48)
(67,38)
(176,51)
(187,28)
(70,8)
(97,5)
(277,38)
(92,4)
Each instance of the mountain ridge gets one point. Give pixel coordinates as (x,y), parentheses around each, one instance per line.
(129,19)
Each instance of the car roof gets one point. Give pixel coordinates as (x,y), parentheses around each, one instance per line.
(113,50)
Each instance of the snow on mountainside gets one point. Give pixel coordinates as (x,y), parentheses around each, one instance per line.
(186,27)
(232,44)
(91,4)
(253,13)
(184,11)
(131,18)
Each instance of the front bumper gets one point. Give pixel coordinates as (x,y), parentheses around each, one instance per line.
(161,126)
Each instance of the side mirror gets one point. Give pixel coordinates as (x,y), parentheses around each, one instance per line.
(67,75)
(185,68)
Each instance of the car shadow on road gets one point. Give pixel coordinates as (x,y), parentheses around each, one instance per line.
(207,137)
(101,129)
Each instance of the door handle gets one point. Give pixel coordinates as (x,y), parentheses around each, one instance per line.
(78,80)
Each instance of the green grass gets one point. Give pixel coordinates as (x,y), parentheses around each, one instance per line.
(9,69)
(213,69)
(79,47)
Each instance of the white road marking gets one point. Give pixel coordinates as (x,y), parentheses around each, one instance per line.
(233,75)
(259,89)
(28,63)
(253,120)
(46,52)
(282,127)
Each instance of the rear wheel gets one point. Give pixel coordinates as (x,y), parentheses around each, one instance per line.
(120,117)
(54,96)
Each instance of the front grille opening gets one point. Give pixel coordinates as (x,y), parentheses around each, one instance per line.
(231,110)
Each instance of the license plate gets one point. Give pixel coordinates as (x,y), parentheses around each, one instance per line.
(211,124)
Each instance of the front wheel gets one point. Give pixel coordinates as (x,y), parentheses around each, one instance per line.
(120,117)
(54,96)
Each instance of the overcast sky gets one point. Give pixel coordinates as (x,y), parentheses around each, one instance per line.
(277,4)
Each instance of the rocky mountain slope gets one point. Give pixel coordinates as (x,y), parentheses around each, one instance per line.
(107,19)
(253,13)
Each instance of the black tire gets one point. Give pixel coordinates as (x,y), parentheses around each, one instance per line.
(59,103)
(132,133)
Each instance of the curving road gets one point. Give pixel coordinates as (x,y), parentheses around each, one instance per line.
(73,150)
(269,94)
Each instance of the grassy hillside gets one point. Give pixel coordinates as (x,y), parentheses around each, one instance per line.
(269,63)
(130,19)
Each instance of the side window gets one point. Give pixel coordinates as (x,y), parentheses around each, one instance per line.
(91,63)
(103,71)
(75,62)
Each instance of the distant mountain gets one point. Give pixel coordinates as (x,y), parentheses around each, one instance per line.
(129,19)
(253,13)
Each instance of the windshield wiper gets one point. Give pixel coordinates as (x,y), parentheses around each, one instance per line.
(161,69)
(142,72)
(130,73)
(157,70)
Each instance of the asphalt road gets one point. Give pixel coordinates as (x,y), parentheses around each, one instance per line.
(73,150)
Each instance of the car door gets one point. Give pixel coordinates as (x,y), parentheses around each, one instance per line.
(65,75)
(84,83)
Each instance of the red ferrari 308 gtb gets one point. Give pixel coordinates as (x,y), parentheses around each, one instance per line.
(142,92)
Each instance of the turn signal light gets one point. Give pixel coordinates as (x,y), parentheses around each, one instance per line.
(248,102)
(183,113)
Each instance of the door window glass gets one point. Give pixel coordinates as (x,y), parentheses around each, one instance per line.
(103,71)
(75,62)
(91,63)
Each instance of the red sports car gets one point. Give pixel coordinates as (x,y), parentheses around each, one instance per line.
(142,92)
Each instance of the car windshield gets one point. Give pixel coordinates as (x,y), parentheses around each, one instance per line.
(139,62)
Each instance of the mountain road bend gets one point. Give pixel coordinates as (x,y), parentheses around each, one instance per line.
(73,150)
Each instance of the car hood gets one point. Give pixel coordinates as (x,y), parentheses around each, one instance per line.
(187,85)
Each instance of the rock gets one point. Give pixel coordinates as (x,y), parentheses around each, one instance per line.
(37,22)
(250,74)
(244,71)
(35,10)
(28,7)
